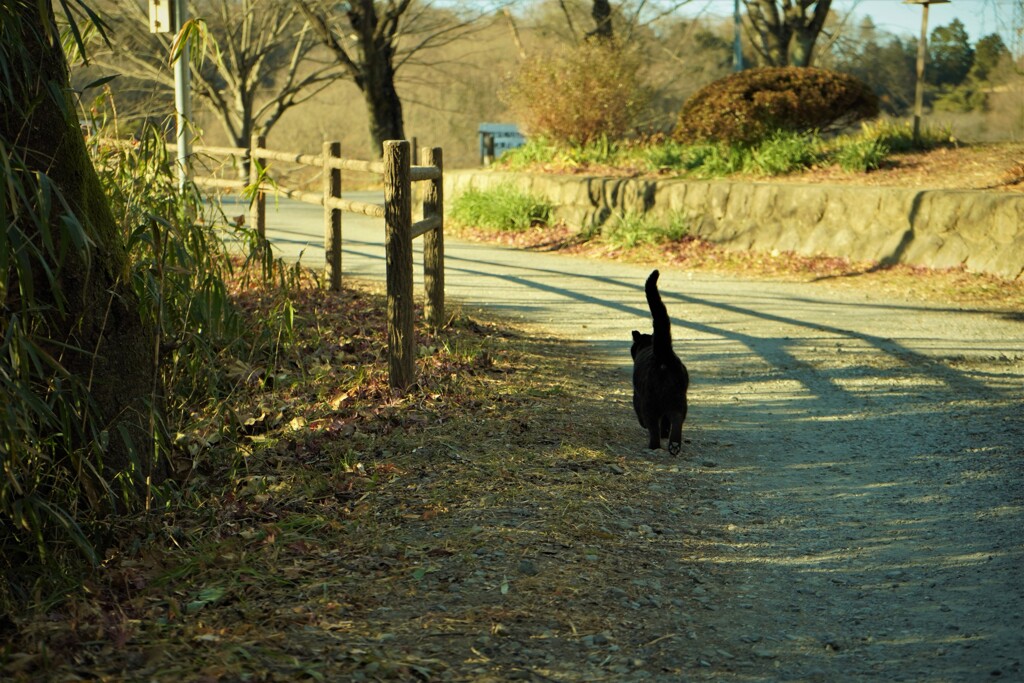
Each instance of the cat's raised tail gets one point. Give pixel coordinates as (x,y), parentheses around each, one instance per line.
(662,341)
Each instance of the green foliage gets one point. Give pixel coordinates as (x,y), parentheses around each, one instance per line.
(962,98)
(950,55)
(665,154)
(503,208)
(751,105)
(898,137)
(888,66)
(990,53)
(860,155)
(970,92)
(779,154)
(715,160)
(537,150)
(630,230)
(782,153)
(581,94)
(600,150)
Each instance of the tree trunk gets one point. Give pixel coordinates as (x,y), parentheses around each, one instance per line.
(383,105)
(785,35)
(806,32)
(601,12)
(90,311)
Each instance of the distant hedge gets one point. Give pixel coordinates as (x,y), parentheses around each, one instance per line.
(751,105)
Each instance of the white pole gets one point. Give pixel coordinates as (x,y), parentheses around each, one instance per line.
(182,97)
(737,46)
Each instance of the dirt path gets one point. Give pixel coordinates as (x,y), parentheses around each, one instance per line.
(848,506)
(857,461)
(870,509)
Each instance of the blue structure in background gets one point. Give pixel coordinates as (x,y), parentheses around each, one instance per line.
(496,138)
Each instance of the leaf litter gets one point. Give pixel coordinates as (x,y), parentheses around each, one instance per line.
(492,523)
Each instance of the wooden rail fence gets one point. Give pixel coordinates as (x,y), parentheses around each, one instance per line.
(398,174)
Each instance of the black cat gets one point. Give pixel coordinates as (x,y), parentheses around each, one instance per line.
(660,379)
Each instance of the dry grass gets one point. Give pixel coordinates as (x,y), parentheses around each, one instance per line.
(336,531)
(956,286)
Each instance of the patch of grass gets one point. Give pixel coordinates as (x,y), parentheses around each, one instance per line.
(662,156)
(503,208)
(780,154)
(536,152)
(714,161)
(860,155)
(599,152)
(628,231)
(783,153)
(898,136)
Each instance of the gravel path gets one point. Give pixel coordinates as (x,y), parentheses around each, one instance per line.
(864,455)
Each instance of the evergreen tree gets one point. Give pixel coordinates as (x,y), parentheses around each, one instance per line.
(950,55)
(989,52)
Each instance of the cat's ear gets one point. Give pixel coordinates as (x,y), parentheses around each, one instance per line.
(636,336)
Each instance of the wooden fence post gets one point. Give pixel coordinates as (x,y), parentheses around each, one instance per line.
(258,207)
(332,217)
(433,241)
(398,253)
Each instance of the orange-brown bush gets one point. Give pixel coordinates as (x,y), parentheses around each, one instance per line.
(580,94)
(750,105)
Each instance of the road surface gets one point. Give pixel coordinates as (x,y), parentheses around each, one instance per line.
(869,453)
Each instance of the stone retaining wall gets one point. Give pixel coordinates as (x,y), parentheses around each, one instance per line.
(983,231)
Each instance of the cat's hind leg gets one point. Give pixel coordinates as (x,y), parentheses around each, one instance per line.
(653,423)
(675,435)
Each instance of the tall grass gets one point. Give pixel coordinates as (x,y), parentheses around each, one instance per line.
(58,502)
(779,154)
(631,230)
(783,153)
(504,208)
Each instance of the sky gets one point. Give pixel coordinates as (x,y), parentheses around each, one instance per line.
(979,17)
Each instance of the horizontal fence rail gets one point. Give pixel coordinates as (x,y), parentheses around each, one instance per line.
(398,174)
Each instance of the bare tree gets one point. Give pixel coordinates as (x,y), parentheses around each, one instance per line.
(372,41)
(628,15)
(785,31)
(259,62)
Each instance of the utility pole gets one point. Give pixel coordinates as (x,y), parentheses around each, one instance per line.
(922,55)
(169,16)
(737,46)
(182,96)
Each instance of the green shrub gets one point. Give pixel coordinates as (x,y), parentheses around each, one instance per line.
(749,106)
(503,208)
(580,94)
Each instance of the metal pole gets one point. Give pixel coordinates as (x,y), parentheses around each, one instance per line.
(737,46)
(182,97)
